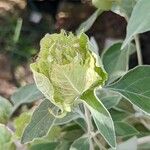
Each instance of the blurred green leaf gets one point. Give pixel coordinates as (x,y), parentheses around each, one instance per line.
(26,94)
(81,143)
(21,122)
(124,129)
(118,115)
(6,142)
(5,110)
(134,86)
(44,146)
(135,24)
(101,117)
(86,25)
(64,145)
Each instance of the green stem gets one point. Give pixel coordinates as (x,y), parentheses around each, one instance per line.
(89,126)
(138,49)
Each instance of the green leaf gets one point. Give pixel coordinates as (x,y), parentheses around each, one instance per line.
(21,122)
(81,143)
(5,110)
(64,145)
(26,94)
(124,129)
(6,142)
(118,115)
(135,24)
(134,86)
(101,117)
(44,146)
(68,118)
(108,98)
(86,25)
(40,124)
(115,61)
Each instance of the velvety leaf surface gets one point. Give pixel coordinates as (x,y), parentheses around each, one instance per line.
(86,25)
(101,117)
(26,94)
(135,87)
(40,123)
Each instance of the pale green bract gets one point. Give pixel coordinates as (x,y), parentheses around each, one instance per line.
(65,68)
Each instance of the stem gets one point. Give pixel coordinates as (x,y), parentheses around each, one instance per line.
(89,126)
(100,146)
(138,49)
(138,46)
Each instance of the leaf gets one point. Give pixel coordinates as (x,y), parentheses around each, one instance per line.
(81,143)
(136,25)
(118,115)
(64,145)
(6,142)
(5,110)
(134,86)
(108,98)
(40,124)
(101,117)
(44,146)
(21,122)
(26,94)
(124,129)
(125,8)
(86,25)
(115,61)
(68,118)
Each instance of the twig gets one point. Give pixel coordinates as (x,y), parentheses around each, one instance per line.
(89,126)
(138,49)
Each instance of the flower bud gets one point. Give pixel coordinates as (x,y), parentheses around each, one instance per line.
(65,68)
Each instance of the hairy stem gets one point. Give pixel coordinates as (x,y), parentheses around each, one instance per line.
(138,49)
(89,126)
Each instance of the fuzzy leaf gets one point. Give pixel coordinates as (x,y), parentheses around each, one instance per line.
(26,94)
(101,117)
(40,124)
(134,86)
